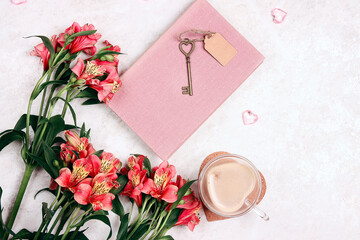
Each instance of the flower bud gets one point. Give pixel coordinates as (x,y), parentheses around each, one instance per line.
(80,82)
(103,58)
(110,58)
(56,163)
(182,202)
(188,192)
(163,213)
(73,79)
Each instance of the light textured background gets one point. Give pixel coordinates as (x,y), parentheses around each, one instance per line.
(306,94)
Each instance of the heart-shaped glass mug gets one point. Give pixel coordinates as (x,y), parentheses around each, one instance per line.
(230,186)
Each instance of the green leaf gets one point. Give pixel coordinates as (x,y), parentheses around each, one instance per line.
(122,180)
(56,125)
(173,218)
(24,234)
(82,130)
(44,189)
(122,232)
(146,164)
(59,140)
(182,192)
(167,237)
(91,102)
(48,44)
(140,231)
(103,53)
(70,107)
(87,135)
(76,154)
(79,235)
(50,156)
(69,127)
(10,137)
(96,216)
(43,164)
(117,206)
(21,123)
(42,86)
(87,93)
(83,33)
(2,224)
(46,212)
(98,153)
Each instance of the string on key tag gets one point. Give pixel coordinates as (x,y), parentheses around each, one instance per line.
(214,43)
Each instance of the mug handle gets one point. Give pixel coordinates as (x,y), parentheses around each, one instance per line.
(258,211)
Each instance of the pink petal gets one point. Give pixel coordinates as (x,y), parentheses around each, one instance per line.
(249,117)
(64,178)
(170,194)
(95,162)
(82,194)
(18,2)
(278,15)
(148,186)
(79,67)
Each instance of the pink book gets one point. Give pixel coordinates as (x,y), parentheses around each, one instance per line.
(150,100)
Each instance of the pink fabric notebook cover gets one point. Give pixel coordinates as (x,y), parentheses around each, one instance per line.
(150,100)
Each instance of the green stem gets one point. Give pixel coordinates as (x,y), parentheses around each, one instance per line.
(81,216)
(152,222)
(75,233)
(44,94)
(65,105)
(48,116)
(58,218)
(57,197)
(39,230)
(162,225)
(68,228)
(24,182)
(137,221)
(29,107)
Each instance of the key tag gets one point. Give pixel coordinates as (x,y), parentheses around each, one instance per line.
(218,47)
(215,44)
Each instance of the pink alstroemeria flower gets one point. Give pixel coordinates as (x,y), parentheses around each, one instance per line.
(77,144)
(81,43)
(188,216)
(189,201)
(70,179)
(109,164)
(96,192)
(135,185)
(161,187)
(112,60)
(88,72)
(42,52)
(107,88)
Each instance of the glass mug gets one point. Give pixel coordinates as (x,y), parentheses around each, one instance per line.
(230,186)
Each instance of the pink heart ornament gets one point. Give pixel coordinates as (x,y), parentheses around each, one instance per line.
(278,15)
(249,117)
(18,2)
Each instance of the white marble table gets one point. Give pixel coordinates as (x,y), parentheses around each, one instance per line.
(306,93)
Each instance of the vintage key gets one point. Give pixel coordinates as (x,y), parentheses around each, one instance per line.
(187,89)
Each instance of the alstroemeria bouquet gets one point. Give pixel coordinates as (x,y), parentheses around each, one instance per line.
(87,183)
(161,201)
(95,79)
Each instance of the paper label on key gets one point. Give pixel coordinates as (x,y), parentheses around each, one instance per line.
(219,48)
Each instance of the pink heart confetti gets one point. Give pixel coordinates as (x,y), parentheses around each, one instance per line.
(18,2)
(249,117)
(278,15)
